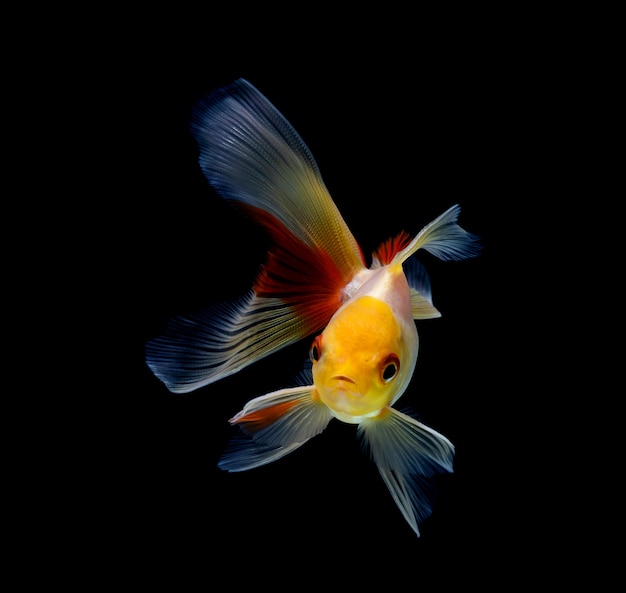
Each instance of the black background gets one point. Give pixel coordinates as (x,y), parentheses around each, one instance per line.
(405,118)
(395,150)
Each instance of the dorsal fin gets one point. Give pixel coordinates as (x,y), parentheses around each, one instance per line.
(386,251)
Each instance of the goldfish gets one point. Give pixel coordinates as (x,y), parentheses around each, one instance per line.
(314,283)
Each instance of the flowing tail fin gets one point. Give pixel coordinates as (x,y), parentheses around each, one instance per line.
(201,348)
(254,158)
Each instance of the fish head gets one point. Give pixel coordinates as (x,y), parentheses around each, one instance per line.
(364,359)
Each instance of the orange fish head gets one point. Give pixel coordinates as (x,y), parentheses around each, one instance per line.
(362,360)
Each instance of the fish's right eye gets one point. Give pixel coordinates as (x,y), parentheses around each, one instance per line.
(316,349)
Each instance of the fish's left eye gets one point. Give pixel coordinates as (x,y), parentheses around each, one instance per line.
(316,349)
(389,369)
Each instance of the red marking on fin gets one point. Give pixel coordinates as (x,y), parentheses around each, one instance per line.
(262,418)
(387,250)
(304,277)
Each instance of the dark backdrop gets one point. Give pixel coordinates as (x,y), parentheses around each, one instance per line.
(401,129)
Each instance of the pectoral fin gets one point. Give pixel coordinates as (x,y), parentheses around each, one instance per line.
(274,425)
(421,295)
(407,452)
(421,307)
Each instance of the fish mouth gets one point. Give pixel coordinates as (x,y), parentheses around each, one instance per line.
(344,378)
(346,385)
